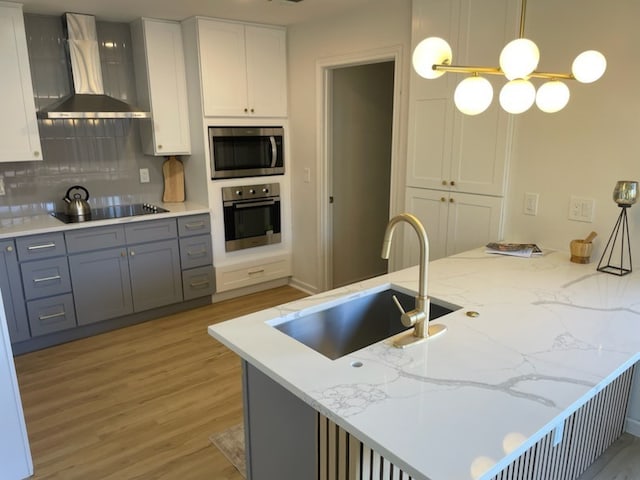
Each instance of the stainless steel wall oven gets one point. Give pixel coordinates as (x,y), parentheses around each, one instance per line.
(251,216)
(246,151)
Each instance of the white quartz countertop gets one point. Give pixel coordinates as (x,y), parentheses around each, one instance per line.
(550,334)
(31,225)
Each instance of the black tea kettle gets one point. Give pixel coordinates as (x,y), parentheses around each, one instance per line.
(77,206)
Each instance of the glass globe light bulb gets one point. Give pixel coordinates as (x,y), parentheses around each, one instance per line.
(429,52)
(589,66)
(519,58)
(473,95)
(517,96)
(552,96)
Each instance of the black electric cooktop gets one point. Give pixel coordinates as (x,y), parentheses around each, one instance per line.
(113,211)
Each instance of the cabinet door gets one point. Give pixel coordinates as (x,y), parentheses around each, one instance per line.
(266,53)
(447,150)
(431,208)
(223,68)
(156,279)
(162,86)
(473,221)
(19,137)
(12,294)
(101,285)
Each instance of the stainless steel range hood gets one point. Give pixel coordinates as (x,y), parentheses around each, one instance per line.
(87,99)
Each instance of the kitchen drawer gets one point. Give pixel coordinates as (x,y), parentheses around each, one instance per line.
(99,238)
(194,225)
(40,246)
(51,314)
(236,276)
(151,230)
(45,277)
(198,282)
(195,251)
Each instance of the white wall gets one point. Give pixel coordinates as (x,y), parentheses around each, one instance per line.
(382,24)
(584,149)
(15,455)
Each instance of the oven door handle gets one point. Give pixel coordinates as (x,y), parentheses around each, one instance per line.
(274,151)
(265,203)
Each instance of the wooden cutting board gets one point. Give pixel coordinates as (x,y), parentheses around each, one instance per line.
(173,172)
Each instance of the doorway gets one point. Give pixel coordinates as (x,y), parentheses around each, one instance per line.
(360,107)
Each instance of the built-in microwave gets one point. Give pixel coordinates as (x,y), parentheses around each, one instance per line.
(246,151)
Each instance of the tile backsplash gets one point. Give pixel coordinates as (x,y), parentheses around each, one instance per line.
(102,155)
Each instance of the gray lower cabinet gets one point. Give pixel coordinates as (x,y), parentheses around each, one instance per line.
(51,314)
(46,283)
(119,281)
(156,279)
(79,277)
(196,256)
(281,431)
(12,295)
(101,285)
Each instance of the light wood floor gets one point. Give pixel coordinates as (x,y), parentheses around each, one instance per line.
(139,402)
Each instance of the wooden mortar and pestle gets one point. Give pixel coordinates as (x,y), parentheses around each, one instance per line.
(581,249)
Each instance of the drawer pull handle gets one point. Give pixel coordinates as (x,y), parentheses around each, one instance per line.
(198,253)
(202,283)
(191,226)
(44,245)
(53,315)
(47,279)
(256,271)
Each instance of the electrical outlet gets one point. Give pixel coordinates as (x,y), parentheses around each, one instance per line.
(307,175)
(144,175)
(531,203)
(2,192)
(581,209)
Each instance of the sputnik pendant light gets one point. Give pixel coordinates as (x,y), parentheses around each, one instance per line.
(518,61)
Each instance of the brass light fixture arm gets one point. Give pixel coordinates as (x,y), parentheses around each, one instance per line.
(497,71)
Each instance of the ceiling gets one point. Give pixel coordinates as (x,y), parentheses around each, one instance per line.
(275,12)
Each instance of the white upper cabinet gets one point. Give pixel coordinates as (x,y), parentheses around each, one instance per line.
(243,69)
(448,150)
(161,86)
(19,137)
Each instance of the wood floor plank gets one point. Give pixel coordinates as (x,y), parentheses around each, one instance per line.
(139,402)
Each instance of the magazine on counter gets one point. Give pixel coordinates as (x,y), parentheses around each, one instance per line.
(514,249)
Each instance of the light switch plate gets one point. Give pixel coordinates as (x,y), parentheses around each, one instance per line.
(531,203)
(2,192)
(581,209)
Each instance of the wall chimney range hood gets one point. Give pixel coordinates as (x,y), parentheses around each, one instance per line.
(87,99)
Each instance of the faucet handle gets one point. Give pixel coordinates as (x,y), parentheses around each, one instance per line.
(397,302)
(409,319)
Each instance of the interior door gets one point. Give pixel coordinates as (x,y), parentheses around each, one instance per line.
(360,170)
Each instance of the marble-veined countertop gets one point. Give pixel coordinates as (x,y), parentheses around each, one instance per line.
(45,223)
(550,334)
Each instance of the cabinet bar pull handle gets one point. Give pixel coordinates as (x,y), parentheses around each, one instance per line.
(202,283)
(256,271)
(53,315)
(189,226)
(198,253)
(46,279)
(44,245)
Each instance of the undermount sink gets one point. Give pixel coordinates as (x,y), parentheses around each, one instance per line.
(358,323)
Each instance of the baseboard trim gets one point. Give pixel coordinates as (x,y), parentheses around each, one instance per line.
(303,286)
(632,426)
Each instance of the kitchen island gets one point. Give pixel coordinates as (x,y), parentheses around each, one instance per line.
(500,389)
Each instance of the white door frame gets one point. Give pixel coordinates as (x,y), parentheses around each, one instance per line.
(323,157)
